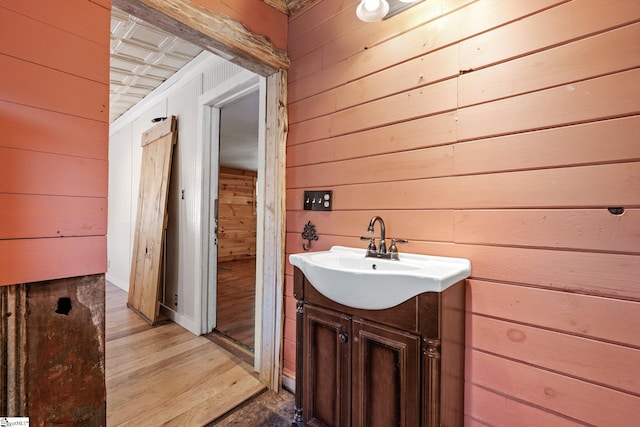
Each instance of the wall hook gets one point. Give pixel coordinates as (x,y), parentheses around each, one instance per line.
(309,234)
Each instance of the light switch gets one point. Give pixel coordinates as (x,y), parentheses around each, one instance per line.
(318,200)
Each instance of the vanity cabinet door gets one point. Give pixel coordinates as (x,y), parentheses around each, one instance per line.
(327,368)
(386,376)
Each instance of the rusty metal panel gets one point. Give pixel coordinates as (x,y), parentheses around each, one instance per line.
(65,352)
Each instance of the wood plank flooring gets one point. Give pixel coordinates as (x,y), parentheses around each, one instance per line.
(236,301)
(165,375)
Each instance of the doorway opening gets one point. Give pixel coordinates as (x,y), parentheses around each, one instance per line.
(236,215)
(270,228)
(234,145)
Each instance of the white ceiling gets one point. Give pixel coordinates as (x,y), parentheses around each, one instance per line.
(143,57)
(239,133)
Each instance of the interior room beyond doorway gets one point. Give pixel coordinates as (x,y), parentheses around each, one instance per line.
(237,222)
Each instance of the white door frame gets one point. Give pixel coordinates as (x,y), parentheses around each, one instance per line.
(268,317)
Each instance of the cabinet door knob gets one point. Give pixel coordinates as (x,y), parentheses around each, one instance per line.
(343,337)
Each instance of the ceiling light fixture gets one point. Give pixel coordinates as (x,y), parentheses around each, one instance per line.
(376,10)
(372,10)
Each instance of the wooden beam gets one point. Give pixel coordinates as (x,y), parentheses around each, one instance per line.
(211,30)
(280,5)
(275,233)
(296,5)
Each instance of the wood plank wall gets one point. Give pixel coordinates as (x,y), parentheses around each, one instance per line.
(236,214)
(498,131)
(54,101)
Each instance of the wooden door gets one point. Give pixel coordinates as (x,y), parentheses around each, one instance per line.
(327,369)
(386,376)
(144,285)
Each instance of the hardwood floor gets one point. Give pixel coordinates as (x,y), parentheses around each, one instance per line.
(236,301)
(165,375)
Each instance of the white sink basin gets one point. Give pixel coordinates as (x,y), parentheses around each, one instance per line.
(345,276)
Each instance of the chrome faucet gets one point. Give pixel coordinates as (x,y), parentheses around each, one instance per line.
(382,247)
(381,250)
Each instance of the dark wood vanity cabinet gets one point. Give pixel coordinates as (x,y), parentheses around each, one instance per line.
(402,366)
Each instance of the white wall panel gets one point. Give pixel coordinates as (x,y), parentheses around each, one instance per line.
(183,232)
(219,73)
(119,209)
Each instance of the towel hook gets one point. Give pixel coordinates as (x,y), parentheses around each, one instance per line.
(309,234)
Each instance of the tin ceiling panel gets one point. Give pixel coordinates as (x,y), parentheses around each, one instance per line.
(142,58)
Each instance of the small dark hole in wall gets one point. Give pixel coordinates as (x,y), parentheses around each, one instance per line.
(616,211)
(64,306)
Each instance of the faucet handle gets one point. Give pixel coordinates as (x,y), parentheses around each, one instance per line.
(372,243)
(393,250)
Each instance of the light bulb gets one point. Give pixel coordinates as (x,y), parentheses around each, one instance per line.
(372,10)
(371,5)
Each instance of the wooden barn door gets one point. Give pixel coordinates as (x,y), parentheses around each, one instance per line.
(146,262)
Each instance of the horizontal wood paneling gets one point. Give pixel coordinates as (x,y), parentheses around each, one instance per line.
(315,13)
(434,67)
(35,129)
(312,27)
(588,229)
(584,229)
(596,142)
(57,49)
(54,101)
(85,19)
(574,103)
(435,225)
(429,100)
(424,132)
(579,400)
(611,320)
(289,352)
(512,166)
(306,65)
(600,54)
(32,216)
(366,37)
(603,274)
(564,23)
(608,185)
(498,410)
(580,357)
(33,260)
(584,186)
(602,97)
(32,172)
(311,107)
(417,164)
(433,35)
(42,87)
